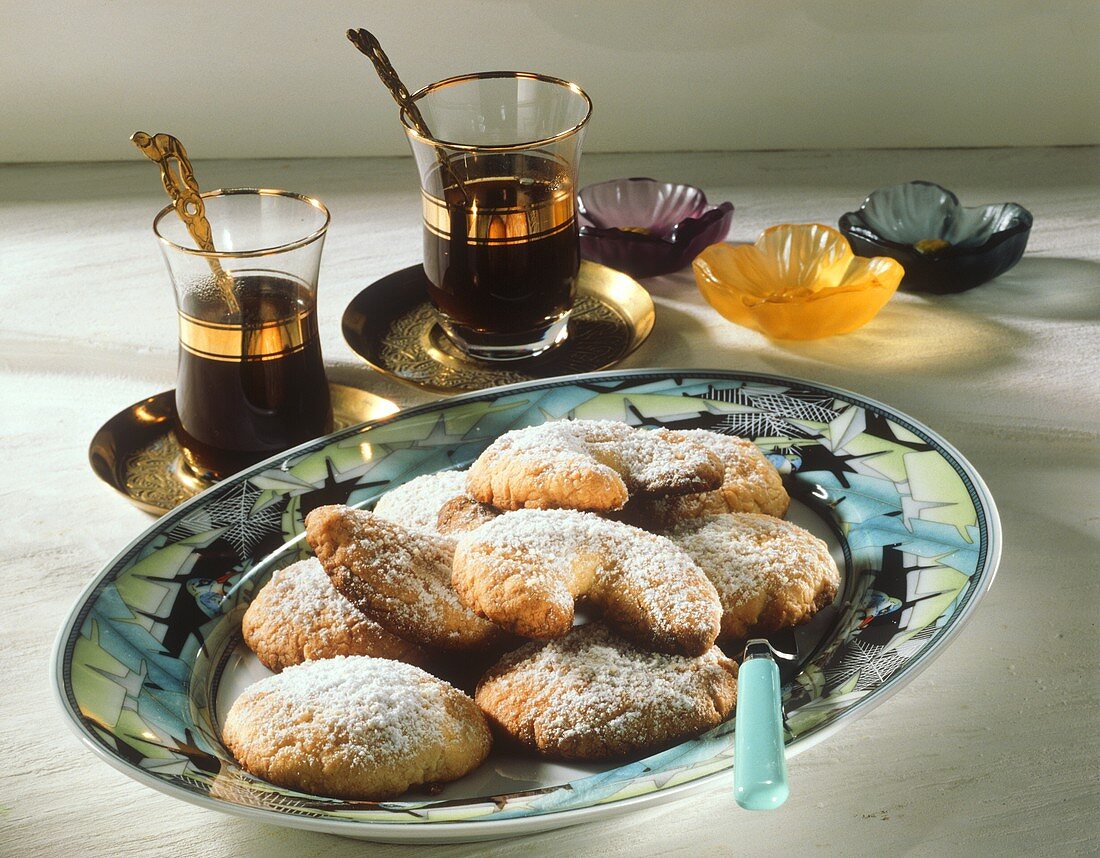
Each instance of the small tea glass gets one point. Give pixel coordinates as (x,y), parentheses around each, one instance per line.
(250,380)
(498,182)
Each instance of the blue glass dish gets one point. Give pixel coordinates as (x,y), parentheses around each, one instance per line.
(943,245)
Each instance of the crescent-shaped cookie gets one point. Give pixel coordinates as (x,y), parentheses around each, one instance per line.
(589,465)
(398,576)
(769,573)
(525,570)
(299,616)
(593,695)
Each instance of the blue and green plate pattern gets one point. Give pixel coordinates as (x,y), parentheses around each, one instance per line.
(142,665)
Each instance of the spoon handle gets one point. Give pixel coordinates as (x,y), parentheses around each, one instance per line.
(167,152)
(368,45)
(759,764)
(179,181)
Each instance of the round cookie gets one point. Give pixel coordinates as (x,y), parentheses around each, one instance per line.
(526,569)
(398,576)
(299,616)
(750,484)
(769,573)
(592,695)
(355,728)
(589,465)
(417,502)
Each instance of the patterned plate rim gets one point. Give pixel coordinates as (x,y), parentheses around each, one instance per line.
(476,828)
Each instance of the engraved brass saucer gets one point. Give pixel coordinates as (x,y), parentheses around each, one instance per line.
(137,455)
(391,325)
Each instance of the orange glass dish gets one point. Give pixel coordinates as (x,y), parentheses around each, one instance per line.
(797,282)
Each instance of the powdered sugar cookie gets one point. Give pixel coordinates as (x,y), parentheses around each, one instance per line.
(593,695)
(769,573)
(417,502)
(589,465)
(356,728)
(525,569)
(750,484)
(299,616)
(462,514)
(399,576)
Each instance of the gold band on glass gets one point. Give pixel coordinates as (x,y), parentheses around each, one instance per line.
(233,343)
(506,225)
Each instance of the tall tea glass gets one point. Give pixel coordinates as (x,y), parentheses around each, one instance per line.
(250,381)
(498,182)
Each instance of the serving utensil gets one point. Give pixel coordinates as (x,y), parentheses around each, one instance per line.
(759,759)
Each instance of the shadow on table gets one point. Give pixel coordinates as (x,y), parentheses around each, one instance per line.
(1051,288)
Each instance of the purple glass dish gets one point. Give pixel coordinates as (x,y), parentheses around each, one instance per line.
(645,227)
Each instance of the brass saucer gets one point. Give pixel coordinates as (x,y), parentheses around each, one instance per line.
(137,455)
(391,325)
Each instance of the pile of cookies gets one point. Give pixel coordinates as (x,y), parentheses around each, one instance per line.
(672,541)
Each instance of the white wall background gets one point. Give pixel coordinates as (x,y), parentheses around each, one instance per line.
(278,79)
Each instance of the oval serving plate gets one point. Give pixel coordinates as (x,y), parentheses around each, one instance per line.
(151,656)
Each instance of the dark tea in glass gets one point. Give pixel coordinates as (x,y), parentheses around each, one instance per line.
(501,253)
(246,393)
(251,380)
(501,248)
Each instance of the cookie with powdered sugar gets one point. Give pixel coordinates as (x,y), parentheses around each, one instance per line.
(398,576)
(592,695)
(300,616)
(525,570)
(417,502)
(462,514)
(589,465)
(437,502)
(750,483)
(356,728)
(769,573)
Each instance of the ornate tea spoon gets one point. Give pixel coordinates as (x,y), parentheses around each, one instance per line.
(179,181)
(368,45)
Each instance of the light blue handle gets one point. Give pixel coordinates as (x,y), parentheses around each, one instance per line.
(759,766)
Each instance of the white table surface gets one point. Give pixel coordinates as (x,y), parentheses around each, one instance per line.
(993,749)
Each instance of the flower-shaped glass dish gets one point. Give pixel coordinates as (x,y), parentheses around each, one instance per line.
(645,227)
(798,282)
(944,246)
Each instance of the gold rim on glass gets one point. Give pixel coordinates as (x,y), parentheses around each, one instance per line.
(499,147)
(259,251)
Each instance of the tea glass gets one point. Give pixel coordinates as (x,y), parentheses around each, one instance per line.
(250,379)
(498,181)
